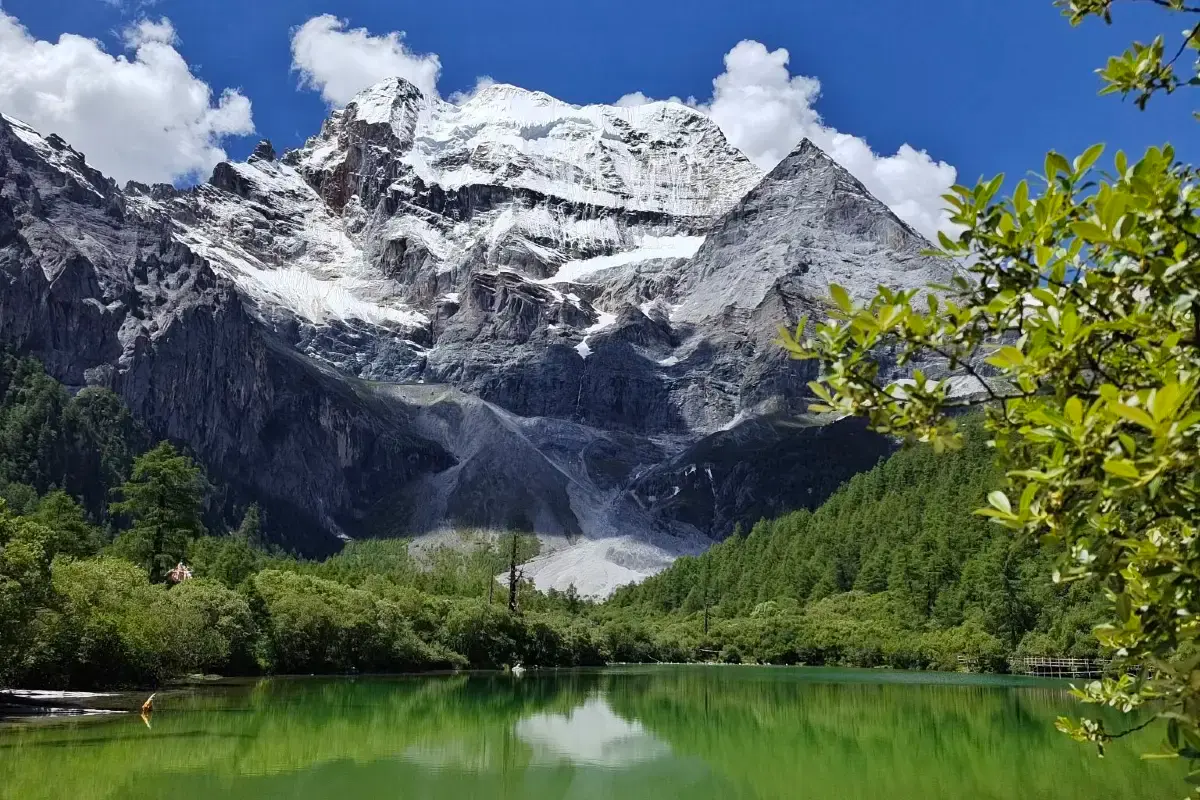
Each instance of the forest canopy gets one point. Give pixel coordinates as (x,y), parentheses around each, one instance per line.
(893,570)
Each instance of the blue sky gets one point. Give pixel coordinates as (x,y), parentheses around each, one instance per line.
(983,86)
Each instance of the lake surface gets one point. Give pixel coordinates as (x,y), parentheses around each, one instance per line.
(658,732)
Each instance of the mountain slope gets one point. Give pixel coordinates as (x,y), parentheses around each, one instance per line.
(894,555)
(511,312)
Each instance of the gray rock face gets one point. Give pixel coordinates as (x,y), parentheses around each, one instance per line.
(512,313)
(808,225)
(102,297)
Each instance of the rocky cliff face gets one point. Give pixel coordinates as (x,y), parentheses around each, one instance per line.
(509,313)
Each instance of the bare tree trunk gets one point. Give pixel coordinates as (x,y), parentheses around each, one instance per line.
(512,577)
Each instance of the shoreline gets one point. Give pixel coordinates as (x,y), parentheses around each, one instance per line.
(28,704)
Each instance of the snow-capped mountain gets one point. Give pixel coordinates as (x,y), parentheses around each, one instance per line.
(379,219)
(506,313)
(661,158)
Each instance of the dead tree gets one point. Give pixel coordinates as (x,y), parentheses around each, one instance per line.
(514,577)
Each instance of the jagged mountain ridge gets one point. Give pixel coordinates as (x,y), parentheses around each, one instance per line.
(508,313)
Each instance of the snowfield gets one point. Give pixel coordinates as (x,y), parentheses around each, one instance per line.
(599,566)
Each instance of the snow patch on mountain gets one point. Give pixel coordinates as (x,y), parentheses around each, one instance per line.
(568,231)
(286,251)
(598,566)
(647,248)
(604,320)
(432,238)
(322,301)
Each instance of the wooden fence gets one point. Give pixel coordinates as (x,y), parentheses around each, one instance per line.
(1058,667)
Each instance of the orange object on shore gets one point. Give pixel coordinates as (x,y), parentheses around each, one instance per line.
(148,706)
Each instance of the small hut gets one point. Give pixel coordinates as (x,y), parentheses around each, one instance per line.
(179,573)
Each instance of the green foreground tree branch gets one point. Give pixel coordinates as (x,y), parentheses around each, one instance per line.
(1076,322)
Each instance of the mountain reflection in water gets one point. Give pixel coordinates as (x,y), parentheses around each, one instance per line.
(653,733)
(589,734)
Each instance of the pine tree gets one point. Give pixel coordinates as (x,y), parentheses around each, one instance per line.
(163,501)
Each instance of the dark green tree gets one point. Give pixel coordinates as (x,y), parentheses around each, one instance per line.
(163,501)
(251,528)
(71,533)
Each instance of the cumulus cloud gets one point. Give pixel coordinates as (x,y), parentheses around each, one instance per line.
(147,31)
(765,111)
(481,83)
(144,116)
(640,99)
(340,62)
(633,99)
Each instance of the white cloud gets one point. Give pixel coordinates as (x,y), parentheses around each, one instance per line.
(129,5)
(640,98)
(339,63)
(148,31)
(481,83)
(633,99)
(144,117)
(765,111)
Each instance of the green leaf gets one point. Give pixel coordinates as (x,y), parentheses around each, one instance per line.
(841,297)
(1055,163)
(1007,357)
(1074,410)
(1134,414)
(1085,161)
(999,501)
(1122,468)
(1027,497)
(1090,231)
(1192,736)
(1165,401)
(989,189)
(820,390)
(1021,197)
(1124,608)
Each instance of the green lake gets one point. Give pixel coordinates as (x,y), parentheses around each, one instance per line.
(629,733)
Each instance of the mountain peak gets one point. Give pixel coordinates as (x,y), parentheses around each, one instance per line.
(378,104)
(59,155)
(500,92)
(808,222)
(808,171)
(263,151)
(645,159)
(389,88)
(806,156)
